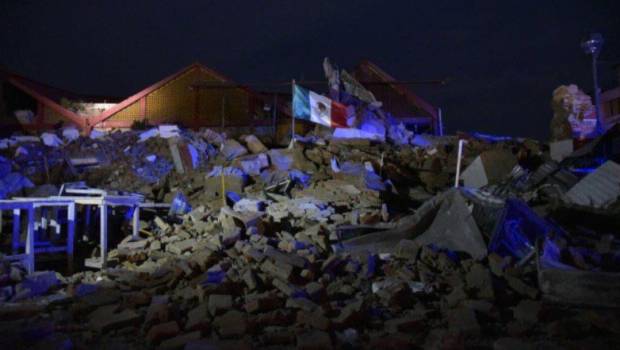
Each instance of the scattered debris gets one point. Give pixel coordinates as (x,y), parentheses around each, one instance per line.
(326,244)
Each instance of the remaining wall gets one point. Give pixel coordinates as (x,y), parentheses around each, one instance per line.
(176,102)
(52,117)
(610,106)
(395,102)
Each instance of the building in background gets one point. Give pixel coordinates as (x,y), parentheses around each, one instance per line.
(610,103)
(193,97)
(398,99)
(31,105)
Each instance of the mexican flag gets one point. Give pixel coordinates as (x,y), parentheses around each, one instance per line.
(308,105)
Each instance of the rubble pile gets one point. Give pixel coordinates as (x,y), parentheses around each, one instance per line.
(337,243)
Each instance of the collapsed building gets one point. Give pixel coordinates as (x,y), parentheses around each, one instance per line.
(409,108)
(172,238)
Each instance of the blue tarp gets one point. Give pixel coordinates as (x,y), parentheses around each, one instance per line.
(148,171)
(5,167)
(153,172)
(272,177)
(298,176)
(84,289)
(179,205)
(371,179)
(233,196)
(215,275)
(517,230)
(12,183)
(281,160)
(40,283)
(374,181)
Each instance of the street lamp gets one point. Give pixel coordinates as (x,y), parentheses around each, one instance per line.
(593,47)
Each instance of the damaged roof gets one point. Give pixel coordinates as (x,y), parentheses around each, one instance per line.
(599,188)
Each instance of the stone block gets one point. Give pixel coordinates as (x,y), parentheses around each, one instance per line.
(231,324)
(105,319)
(219,302)
(162,331)
(314,340)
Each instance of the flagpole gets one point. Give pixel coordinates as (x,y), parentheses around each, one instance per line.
(292,112)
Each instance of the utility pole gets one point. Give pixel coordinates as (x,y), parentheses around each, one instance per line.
(593,47)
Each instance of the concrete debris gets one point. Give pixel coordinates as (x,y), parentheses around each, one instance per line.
(488,168)
(176,156)
(219,303)
(569,279)
(331,243)
(254,144)
(306,207)
(180,341)
(232,149)
(51,140)
(253,165)
(454,228)
(181,247)
(513,344)
(464,320)
(231,324)
(162,331)
(105,319)
(314,340)
(560,149)
(70,134)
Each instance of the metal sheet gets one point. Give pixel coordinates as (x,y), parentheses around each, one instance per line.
(598,189)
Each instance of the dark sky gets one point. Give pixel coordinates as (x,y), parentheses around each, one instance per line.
(504,57)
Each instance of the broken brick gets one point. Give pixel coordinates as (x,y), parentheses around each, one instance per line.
(162,331)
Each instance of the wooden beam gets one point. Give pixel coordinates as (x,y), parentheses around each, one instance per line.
(79,121)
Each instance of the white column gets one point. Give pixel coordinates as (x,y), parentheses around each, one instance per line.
(136,223)
(55,220)
(30,240)
(70,230)
(16,230)
(103,231)
(458,163)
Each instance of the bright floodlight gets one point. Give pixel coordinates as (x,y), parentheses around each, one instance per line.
(593,45)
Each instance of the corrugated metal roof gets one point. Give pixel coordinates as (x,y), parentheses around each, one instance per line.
(550,172)
(598,189)
(542,172)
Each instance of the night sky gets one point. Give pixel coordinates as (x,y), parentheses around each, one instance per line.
(504,58)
